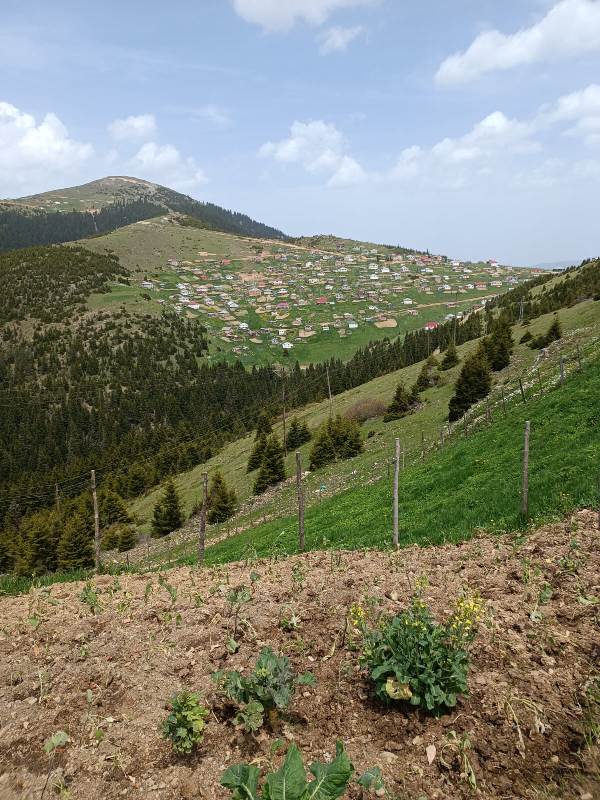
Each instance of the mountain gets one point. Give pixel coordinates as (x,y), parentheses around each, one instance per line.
(78,212)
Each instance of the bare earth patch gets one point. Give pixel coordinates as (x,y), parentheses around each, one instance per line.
(104,679)
(386,323)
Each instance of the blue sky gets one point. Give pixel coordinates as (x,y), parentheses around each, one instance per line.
(470,128)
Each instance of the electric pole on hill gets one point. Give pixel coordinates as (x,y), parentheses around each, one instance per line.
(329,391)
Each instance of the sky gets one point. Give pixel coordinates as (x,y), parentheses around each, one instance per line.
(470,128)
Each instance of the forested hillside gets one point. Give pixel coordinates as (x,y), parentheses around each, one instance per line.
(132,395)
(108,204)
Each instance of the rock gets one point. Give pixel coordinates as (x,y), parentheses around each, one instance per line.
(387,757)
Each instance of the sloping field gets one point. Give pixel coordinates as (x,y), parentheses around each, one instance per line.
(529,728)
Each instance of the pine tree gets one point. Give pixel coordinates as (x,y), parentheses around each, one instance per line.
(473,384)
(41,534)
(297,435)
(498,345)
(338,438)
(256,456)
(112,508)
(127,538)
(110,538)
(75,550)
(403,403)
(428,376)
(554,331)
(263,425)
(221,500)
(167,515)
(451,358)
(272,469)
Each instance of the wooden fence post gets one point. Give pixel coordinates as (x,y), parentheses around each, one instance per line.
(396,475)
(423,445)
(202,531)
(522,391)
(96,523)
(525,493)
(562,370)
(300,490)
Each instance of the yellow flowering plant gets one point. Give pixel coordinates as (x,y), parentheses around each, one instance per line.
(413,658)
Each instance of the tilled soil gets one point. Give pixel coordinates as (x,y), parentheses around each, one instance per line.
(105,678)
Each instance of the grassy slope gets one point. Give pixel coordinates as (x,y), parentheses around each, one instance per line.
(583,318)
(474,484)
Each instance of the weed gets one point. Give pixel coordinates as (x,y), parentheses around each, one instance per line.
(298,577)
(184,726)
(89,596)
(288,619)
(459,746)
(171,590)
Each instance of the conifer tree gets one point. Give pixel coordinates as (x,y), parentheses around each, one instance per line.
(263,425)
(451,358)
(402,404)
(473,384)
(338,438)
(167,515)
(256,456)
(554,331)
(127,538)
(498,346)
(222,501)
(428,376)
(110,538)
(41,535)
(297,435)
(272,469)
(75,550)
(112,508)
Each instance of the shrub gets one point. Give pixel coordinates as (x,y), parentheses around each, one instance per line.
(268,689)
(127,538)
(338,439)
(289,781)
(110,539)
(553,333)
(527,337)
(185,724)
(411,657)
(368,408)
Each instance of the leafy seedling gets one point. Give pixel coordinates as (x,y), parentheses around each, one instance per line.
(184,727)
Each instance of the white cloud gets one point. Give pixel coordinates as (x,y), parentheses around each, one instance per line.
(133,128)
(281,15)
(32,155)
(337,38)
(215,115)
(165,164)
(319,148)
(581,109)
(570,28)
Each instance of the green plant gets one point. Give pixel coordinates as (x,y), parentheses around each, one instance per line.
(89,596)
(411,657)
(185,724)
(289,781)
(268,689)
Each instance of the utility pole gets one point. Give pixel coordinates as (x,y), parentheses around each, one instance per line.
(525,494)
(57,497)
(396,475)
(284,420)
(329,390)
(96,523)
(300,490)
(202,531)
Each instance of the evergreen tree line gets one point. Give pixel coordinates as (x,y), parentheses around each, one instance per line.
(27,227)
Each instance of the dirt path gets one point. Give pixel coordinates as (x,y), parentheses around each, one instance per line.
(104,679)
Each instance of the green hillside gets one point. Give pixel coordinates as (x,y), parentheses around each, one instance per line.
(581,326)
(107,204)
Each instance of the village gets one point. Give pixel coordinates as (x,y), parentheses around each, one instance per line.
(284,297)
